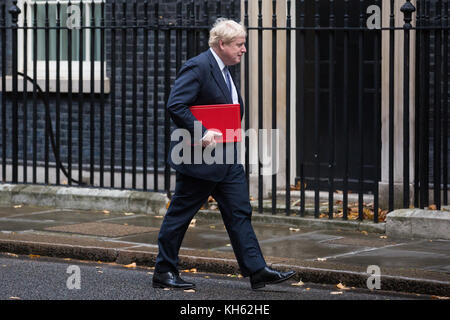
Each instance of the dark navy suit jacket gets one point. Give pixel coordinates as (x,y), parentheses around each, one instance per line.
(199,82)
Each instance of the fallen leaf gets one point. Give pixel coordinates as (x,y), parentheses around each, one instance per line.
(342,287)
(321,259)
(33,256)
(17,206)
(294,229)
(192,224)
(128,213)
(159,217)
(364,233)
(190,291)
(298,186)
(193,270)
(298,284)
(14,298)
(228,245)
(12,255)
(168,204)
(206,277)
(106,211)
(383,237)
(131,265)
(336,292)
(212,227)
(440,298)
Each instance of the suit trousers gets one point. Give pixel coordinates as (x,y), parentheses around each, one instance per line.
(232,197)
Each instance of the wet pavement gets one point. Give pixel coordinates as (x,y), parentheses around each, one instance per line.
(322,251)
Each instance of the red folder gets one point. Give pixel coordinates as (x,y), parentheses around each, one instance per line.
(224,118)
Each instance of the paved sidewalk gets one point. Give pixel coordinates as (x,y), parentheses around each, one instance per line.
(319,254)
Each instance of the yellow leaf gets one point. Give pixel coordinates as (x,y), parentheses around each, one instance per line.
(32,256)
(128,213)
(341,286)
(298,284)
(193,270)
(131,265)
(18,206)
(364,232)
(212,227)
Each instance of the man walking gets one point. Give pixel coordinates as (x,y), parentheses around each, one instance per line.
(205,80)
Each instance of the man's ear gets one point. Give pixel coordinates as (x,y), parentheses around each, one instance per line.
(221,45)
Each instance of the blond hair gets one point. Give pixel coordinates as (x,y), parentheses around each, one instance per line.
(226,30)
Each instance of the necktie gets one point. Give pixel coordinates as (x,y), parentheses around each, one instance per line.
(228,78)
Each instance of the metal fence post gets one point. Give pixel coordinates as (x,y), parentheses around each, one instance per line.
(14,11)
(407,9)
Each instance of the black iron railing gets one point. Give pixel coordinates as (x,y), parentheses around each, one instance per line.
(85,105)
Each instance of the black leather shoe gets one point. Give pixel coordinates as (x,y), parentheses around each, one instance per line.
(170,280)
(269,276)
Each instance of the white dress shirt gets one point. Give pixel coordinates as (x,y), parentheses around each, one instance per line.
(222,68)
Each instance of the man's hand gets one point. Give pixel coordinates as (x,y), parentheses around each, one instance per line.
(209,138)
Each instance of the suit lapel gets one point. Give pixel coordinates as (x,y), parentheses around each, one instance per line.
(218,77)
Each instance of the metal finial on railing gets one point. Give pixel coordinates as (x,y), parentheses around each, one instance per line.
(14,11)
(408,8)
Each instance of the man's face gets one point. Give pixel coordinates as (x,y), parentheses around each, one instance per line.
(231,53)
